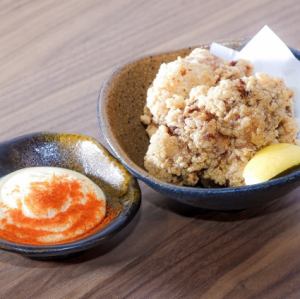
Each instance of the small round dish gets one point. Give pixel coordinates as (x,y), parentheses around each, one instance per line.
(85,155)
(120,104)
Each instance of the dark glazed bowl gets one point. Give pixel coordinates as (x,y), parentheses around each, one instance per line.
(120,105)
(85,155)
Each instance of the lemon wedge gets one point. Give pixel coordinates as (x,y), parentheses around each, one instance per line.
(271,161)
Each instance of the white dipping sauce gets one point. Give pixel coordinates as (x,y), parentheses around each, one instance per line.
(46,205)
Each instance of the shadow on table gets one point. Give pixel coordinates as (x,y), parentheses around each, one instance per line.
(105,247)
(222,216)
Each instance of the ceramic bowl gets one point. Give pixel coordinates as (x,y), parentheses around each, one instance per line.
(82,154)
(120,105)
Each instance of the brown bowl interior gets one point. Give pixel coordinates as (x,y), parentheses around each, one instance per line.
(123,98)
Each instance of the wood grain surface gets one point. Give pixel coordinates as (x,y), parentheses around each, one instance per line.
(54,55)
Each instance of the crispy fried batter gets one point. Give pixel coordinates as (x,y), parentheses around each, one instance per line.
(206,118)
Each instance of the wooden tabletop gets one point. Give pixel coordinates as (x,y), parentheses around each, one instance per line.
(54,55)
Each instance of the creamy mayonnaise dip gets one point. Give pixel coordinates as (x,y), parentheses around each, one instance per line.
(47,205)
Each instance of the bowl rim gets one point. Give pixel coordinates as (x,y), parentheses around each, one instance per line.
(86,242)
(141,173)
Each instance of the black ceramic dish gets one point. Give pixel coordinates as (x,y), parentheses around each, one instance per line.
(82,154)
(120,105)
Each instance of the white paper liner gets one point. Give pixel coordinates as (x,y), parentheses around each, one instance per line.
(268,54)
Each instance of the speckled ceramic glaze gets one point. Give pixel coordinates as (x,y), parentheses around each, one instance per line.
(82,154)
(121,102)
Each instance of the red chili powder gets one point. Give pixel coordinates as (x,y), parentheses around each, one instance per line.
(49,195)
